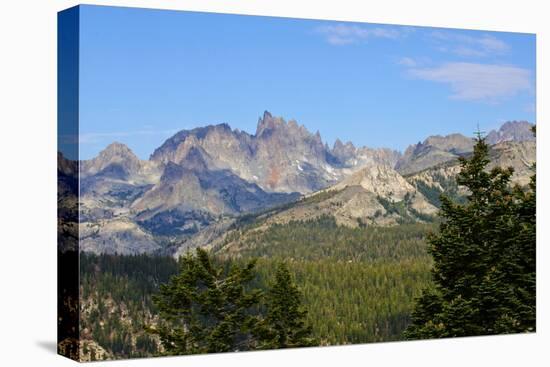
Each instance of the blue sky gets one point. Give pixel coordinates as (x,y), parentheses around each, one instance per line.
(146,74)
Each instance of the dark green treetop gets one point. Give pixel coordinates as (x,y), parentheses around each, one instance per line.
(284,325)
(206,308)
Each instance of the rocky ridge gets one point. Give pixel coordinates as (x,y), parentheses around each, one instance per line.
(196,184)
(438,149)
(280,157)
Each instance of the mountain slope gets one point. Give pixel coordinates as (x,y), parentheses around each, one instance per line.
(200,196)
(433,151)
(441,178)
(373,195)
(110,182)
(439,149)
(132,206)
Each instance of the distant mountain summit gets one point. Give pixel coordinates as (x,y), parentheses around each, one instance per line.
(116,157)
(438,149)
(434,150)
(117,161)
(280,157)
(350,156)
(511,131)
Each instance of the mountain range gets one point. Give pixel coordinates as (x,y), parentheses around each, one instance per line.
(199,182)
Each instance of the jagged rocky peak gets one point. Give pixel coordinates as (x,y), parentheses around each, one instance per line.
(268,124)
(116,156)
(385,156)
(350,156)
(220,147)
(117,151)
(340,149)
(198,176)
(163,153)
(339,145)
(511,131)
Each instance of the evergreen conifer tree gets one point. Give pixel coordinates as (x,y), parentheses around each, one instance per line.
(484,258)
(284,325)
(206,309)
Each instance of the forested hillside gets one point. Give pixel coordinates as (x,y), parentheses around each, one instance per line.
(358,284)
(116,303)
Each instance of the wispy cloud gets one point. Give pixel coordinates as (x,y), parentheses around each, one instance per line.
(344,34)
(469,46)
(98,137)
(413,62)
(478,82)
(408,62)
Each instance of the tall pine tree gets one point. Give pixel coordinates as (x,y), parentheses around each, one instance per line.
(284,325)
(484,258)
(206,309)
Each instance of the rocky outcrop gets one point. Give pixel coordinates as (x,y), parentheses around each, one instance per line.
(120,235)
(375,194)
(519,155)
(380,180)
